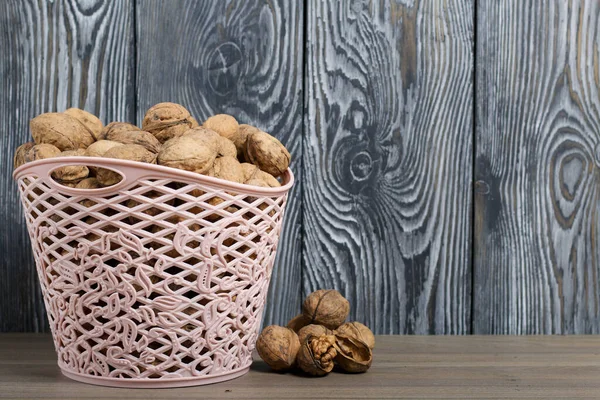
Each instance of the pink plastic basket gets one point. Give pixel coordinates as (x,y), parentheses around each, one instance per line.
(158,281)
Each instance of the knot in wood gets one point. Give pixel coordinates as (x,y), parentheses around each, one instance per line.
(224,68)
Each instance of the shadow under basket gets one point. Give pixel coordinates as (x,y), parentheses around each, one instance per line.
(157,281)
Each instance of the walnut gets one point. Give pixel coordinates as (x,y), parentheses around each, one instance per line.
(249,171)
(100,147)
(357,331)
(88,183)
(167,121)
(41,151)
(143,138)
(187,153)
(353,355)
(226,148)
(132,152)
(71,174)
(27,153)
(256,177)
(314,330)
(115,127)
(267,153)
(241,139)
(228,168)
(278,347)
(19,157)
(297,323)
(60,130)
(89,121)
(225,125)
(206,137)
(316,354)
(326,307)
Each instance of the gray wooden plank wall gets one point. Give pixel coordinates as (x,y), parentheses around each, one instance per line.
(448,155)
(537,201)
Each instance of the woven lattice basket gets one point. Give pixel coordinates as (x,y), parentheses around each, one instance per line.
(158,281)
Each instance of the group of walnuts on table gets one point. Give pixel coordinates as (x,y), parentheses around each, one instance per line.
(169,136)
(318,339)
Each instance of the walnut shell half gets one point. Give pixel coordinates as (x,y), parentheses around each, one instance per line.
(353,355)
(358,331)
(316,354)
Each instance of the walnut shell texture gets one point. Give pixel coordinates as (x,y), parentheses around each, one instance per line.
(132,152)
(142,138)
(60,130)
(297,323)
(358,331)
(167,121)
(353,355)
(250,171)
(326,307)
(114,127)
(241,139)
(228,168)
(278,347)
(187,153)
(71,173)
(41,151)
(20,152)
(88,183)
(226,148)
(225,125)
(90,121)
(206,137)
(267,153)
(100,147)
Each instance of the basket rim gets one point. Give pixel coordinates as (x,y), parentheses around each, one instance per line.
(174,173)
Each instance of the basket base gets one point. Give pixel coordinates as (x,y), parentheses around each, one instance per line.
(155,383)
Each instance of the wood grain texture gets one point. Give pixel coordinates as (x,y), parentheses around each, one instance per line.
(388,160)
(243,58)
(55,55)
(404,367)
(537,197)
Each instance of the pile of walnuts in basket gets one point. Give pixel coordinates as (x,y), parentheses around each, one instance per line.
(169,136)
(318,339)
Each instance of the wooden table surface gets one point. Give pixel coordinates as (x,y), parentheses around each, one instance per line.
(440,367)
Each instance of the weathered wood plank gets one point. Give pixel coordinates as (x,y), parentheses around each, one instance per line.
(537,196)
(243,58)
(404,367)
(388,160)
(55,54)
